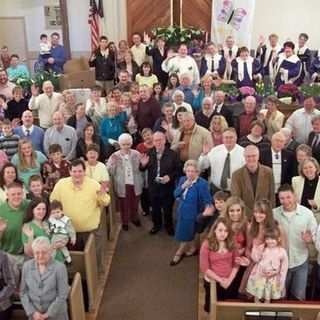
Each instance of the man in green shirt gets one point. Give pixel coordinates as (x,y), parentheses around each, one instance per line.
(12,213)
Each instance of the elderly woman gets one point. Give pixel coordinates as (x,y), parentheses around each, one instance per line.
(123,166)
(178,101)
(194,197)
(111,127)
(217,126)
(67,107)
(255,136)
(205,115)
(44,284)
(204,91)
(272,117)
(306,186)
(79,119)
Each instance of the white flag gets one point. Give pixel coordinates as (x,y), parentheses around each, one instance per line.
(232,18)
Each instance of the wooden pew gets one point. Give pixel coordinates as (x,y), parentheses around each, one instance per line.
(85,263)
(223,310)
(75,299)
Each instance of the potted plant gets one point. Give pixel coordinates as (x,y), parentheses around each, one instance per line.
(231,91)
(310,90)
(288,93)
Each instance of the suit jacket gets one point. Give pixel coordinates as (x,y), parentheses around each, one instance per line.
(46,293)
(298,185)
(169,165)
(287,161)
(315,150)
(227,113)
(241,186)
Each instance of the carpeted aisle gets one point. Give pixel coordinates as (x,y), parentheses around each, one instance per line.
(141,284)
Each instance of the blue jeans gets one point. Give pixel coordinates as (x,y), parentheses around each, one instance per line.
(296,282)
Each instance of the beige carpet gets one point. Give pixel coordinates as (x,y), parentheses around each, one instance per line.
(141,284)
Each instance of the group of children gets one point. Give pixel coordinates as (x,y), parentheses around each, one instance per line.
(241,256)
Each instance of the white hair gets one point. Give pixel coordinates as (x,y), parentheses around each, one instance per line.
(41,241)
(177,92)
(125,137)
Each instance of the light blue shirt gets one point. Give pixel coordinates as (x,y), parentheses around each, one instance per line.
(20,71)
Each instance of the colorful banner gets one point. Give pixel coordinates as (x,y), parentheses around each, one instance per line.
(232,18)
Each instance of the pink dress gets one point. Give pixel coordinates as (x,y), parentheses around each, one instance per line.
(268,259)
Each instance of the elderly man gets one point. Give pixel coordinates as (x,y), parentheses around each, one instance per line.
(212,63)
(314,137)
(182,63)
(291,144)
(185,87)
(63,135)
(6,86)
(279,160)
(149,109)
(223,160)
(58,55)
(46,103)
(191,139)
(253,181)
(81,198)
(163,167)
(138,49)
(12,213)
(221,109)
(243,121)
(205,115)
(30,131)
(300,226)
(300,120)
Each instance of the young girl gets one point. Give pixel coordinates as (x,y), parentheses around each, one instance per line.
(173,84)
(146,76)
(218,261)
(157,92)
(267,279)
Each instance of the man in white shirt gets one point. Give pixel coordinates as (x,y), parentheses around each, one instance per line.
(46,103)
(63,135)
(182,63)
(138,49)
(300,121)
(216,159)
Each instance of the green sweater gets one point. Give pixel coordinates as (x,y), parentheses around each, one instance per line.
(11,241)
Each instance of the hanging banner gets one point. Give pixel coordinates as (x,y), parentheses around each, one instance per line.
(232,18)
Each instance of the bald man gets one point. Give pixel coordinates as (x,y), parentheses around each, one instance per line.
(46,103)
(63,135)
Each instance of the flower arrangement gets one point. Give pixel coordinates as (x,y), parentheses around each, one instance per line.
(174,35)
(247,91)
(288,90)
(229,89)
(264,90)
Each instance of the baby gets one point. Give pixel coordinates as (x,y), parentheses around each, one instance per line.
(60,228)
(45,46)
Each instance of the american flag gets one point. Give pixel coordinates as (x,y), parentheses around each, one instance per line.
(95,14)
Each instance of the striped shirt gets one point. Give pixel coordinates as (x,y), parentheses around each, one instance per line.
(9,144)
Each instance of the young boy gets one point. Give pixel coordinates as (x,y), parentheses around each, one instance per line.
(36,188)
(209,216)
(60,228)
(55,168)
(8,140)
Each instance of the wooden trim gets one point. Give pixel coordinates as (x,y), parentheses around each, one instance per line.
(129,24)
(65,27)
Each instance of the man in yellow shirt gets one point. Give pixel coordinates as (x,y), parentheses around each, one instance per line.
(81,198)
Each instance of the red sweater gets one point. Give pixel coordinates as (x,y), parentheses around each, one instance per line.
(220,264)
(148,112)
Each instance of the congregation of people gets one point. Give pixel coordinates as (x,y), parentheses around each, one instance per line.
(245,179)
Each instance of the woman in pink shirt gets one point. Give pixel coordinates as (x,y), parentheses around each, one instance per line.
(218,261)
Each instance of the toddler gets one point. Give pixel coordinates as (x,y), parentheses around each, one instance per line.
(60,228)
(45,46)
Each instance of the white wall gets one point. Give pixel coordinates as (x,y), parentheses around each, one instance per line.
(287,18)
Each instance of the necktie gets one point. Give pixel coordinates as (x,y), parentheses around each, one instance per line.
(230,53)
(276,156)
(212,65)
(27,133)
(225,173)
(315,141)
(216,109)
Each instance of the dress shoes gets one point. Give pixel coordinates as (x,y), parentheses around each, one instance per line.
(125,227)
(170,231)
(137,223)
(154,231)
(176,259)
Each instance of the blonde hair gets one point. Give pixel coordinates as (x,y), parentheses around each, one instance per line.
(304,162)
(222,120)
(205,79)
(23,164)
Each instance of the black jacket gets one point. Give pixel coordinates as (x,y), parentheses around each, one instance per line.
(104,67)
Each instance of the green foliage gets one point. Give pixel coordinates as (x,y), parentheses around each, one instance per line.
(229,89)
(313,90)
(265,90)
(174,35)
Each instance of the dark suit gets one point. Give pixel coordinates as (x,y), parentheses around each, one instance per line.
(287,160)
(315,149)
(227,113)
(161,195)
